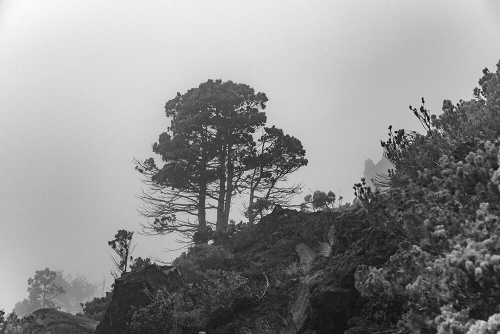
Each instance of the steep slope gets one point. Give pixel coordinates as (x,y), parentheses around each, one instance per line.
(321,297)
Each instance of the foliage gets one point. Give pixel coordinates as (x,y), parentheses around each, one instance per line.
(3,323)
(325,247)
(447,228)
(96,308)
(140,263)
(122,245)
(269,163)
(258,207)
(479,118)
(76,291)
(43,290)
(211,297)
(211,131)
(320,200)
(201,261)
(57,290)
(491,326)
(299,269)
(16,325)
(443,206)
(411,152)
(197,306)
(25,307)
(459,126)
(11,324)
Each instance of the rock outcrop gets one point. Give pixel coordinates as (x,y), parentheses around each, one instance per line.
(52,321)
(130,291)
(325,299)
(372,170)
(318,296)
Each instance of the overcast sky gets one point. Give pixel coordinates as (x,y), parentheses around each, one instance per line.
(83,86)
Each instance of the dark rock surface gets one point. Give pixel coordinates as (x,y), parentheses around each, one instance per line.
(325,300)
(322,299)
(129,291)
(52,321)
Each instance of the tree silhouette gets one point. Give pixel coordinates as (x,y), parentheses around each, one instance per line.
(76,291)
(210,133)
(122,245)
(42,289)
(274,158)
(320,200)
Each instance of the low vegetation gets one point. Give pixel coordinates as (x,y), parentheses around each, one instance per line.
(442,202)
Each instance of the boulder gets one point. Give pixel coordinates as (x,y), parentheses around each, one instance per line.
(131,290)
(52,321)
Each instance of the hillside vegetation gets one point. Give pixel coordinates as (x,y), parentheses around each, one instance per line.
(418,254)
(425,250)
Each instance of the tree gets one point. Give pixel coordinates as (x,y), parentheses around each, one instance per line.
(77,291)
(210,134)
(96,308)
(25,307)
(320,200)
(122,245)
(270,163)
(42,291)
(140,263)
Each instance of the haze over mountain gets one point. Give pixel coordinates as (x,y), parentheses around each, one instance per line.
(373,170)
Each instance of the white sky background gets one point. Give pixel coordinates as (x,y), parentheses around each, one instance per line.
(83,86)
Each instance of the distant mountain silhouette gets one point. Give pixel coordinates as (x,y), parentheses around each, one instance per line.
(371,169)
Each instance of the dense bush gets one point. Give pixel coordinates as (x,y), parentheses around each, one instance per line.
(13,324)
(196,306)
(210,297)
(96,308)
(200,261)
(445,210)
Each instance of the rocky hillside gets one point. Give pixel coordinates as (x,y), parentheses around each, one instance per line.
(293,272)
(320,297)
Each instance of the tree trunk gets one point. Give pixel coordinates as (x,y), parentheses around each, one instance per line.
(229,187)
(202,216)
(222,190)
(251,215)
(251,209)
(254,184)
(202,195)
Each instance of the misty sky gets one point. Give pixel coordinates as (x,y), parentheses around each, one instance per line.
(83,86)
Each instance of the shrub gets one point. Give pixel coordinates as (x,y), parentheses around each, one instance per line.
(325,247)
(300,269)
(201,259)
(197,306)
(15,325)
(96,308)
(454,260)
(446,215)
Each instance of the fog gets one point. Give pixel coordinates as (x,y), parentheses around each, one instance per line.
(84,83)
